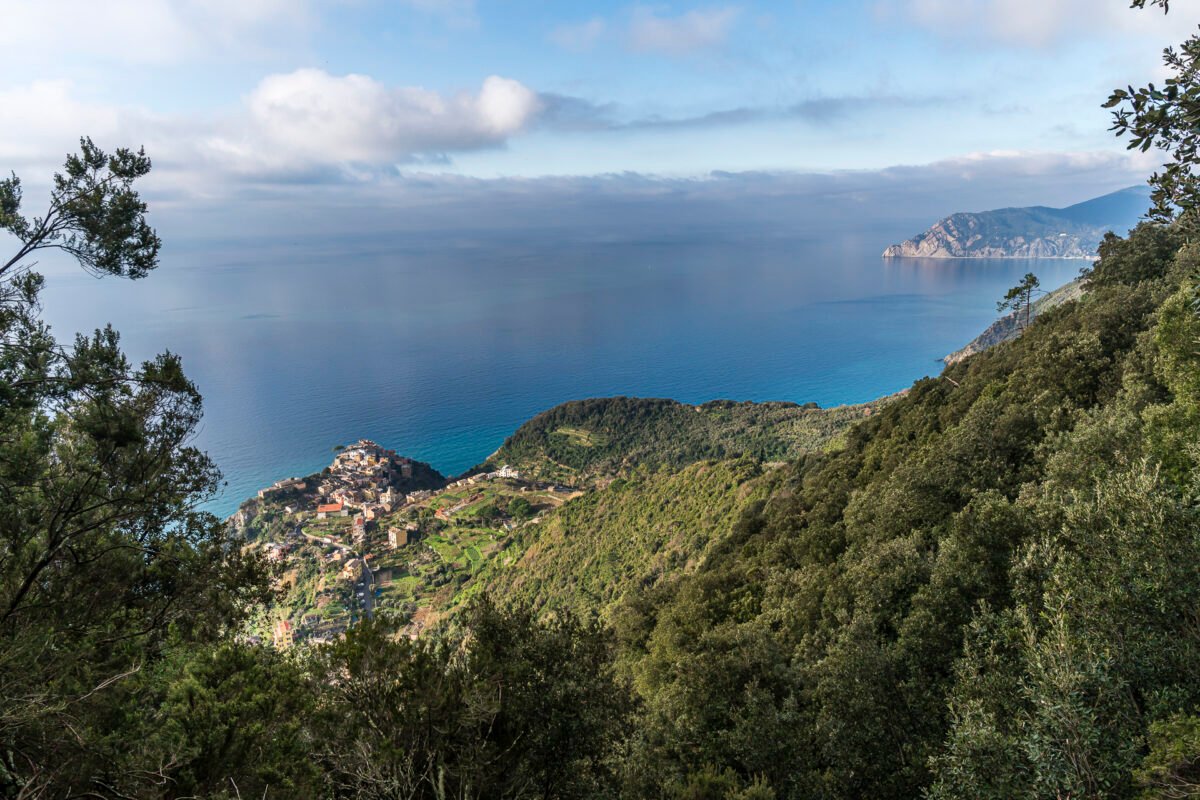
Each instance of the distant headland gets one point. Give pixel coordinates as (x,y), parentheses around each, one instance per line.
(1035,232)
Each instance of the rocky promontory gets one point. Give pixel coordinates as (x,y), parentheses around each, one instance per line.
(1035,232)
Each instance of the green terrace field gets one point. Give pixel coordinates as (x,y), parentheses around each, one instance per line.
(580,437)
(430,576)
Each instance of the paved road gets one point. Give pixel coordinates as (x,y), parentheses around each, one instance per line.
(367,584)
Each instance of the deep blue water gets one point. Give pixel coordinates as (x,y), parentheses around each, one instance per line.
(441,347)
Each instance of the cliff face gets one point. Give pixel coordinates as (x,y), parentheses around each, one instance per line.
(1036,232)
(975,236)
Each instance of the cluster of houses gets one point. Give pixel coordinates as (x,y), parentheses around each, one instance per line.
(352,570)
(361,483)
(277,551)
(399,537)
(362,479)
(312,629)
(326,510)
(363,475)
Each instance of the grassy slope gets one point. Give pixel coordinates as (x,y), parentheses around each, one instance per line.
(627,537)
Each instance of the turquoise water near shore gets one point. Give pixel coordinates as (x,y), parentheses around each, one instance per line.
(441,346)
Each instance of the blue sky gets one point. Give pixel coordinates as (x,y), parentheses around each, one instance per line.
(231,96)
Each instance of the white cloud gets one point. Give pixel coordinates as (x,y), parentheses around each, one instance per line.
(142,31)
(293,126)
(630,205)
(1035,23)
(41,122)
(308,119)
(580,37)
(689,32)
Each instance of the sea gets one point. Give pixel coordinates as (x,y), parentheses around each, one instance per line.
(440,346)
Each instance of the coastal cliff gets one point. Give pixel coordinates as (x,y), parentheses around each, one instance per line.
(1035,232)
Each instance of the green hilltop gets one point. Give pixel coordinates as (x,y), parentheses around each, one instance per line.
(586,440)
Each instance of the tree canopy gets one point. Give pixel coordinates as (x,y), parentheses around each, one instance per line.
(104,558)
(1019,299)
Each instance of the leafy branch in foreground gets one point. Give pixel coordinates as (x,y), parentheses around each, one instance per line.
(95,215)
(1166,117)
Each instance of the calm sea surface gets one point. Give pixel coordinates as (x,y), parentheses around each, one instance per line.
(442,347)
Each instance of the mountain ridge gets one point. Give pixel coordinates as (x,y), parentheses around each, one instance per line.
(1031,232)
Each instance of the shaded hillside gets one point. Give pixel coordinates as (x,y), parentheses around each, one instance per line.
(1035,232)
(588,439)
(980,595)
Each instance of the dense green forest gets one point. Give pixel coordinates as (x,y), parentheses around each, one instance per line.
(988,588)
(990,591)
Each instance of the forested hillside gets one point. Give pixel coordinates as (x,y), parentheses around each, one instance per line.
(988,592)
(585,440)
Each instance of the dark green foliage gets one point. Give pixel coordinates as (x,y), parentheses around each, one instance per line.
(1098,645)
(103,560)
(513,707)
(95,215)
(1019,299)
(519,509)
(1164,117)
(831,627)
(228,721)
(1171,770)
(1147,255)
(505,706)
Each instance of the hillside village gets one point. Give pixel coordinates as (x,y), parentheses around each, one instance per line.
(378,533)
